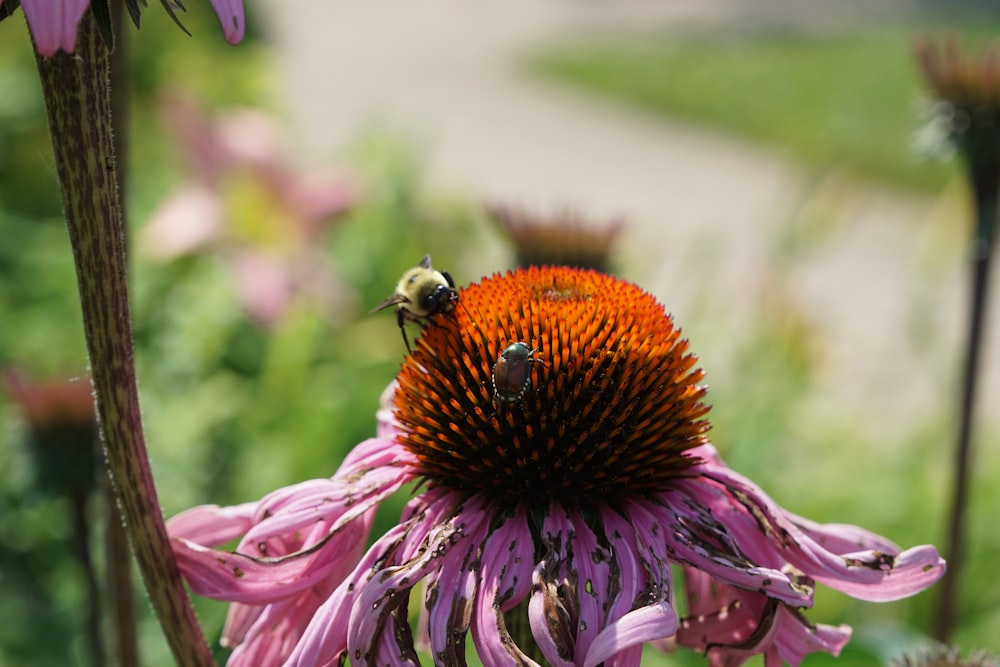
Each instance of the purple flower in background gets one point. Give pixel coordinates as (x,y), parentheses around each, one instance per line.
(247,201)
(545,520)
(53,23)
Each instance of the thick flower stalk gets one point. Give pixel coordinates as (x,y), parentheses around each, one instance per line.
(546,520)
(967,86)
(77,98)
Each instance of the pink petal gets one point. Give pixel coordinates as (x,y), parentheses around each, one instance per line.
(595,584)
(453,587)
(54,23)
(326,635)
(211,525)
(390,568)
(634,629)
(733,624)
(506,571)
(422,554)
(240,578)
(231,17)
(549,620)
(877,575)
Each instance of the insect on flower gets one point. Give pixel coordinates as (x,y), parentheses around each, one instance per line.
(551,538)
(420,294)
(512,373)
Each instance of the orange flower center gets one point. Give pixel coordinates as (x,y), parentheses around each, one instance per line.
(607,407)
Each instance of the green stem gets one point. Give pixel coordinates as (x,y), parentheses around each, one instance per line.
(77,99)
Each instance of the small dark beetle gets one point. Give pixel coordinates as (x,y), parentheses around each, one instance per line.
(512,373)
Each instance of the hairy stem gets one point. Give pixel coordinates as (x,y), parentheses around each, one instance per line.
(77,99)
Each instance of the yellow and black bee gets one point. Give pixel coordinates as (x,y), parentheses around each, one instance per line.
(420,294)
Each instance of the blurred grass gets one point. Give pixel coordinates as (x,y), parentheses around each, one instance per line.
(848,99)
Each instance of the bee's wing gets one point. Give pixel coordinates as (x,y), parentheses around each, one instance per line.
(391,301)
(425,261)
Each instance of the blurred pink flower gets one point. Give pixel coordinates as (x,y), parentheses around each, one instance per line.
(545,527)
(53,23)
(248,202)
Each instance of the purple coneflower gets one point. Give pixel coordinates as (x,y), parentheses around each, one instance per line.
(546,527)
(53,23)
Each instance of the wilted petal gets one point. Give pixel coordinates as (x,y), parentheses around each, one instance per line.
(237,577)
(325,637)
(754,520)
(634,629)
(54,23)
(211,525)
(453,588)
(507,563)
(732,625)
(553,623)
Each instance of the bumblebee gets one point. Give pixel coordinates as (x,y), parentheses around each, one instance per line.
(421,294)
(512,373)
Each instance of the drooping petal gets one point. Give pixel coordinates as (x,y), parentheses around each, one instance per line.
(451,591)
(552,606)
(275,630)
(325,638)
(298,537)
(634,629)
(591,564)
(754,521)
(368,610)
(237,577)
(211,525)
(506,580)
(731,625)
(698,539)
(231,17)
(451,527)
(54,23)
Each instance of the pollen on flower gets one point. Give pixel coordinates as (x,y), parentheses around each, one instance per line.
(611,407)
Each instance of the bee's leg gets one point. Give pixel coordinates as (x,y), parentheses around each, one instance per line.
(400,321)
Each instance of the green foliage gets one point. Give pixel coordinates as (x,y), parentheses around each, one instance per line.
(845,99)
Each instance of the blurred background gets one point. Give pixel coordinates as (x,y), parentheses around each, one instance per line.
(769,170)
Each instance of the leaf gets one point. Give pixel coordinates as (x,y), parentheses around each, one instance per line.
(170,6)
(134,11)
(102,16)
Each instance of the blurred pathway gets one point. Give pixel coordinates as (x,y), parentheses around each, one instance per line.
(442,73)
